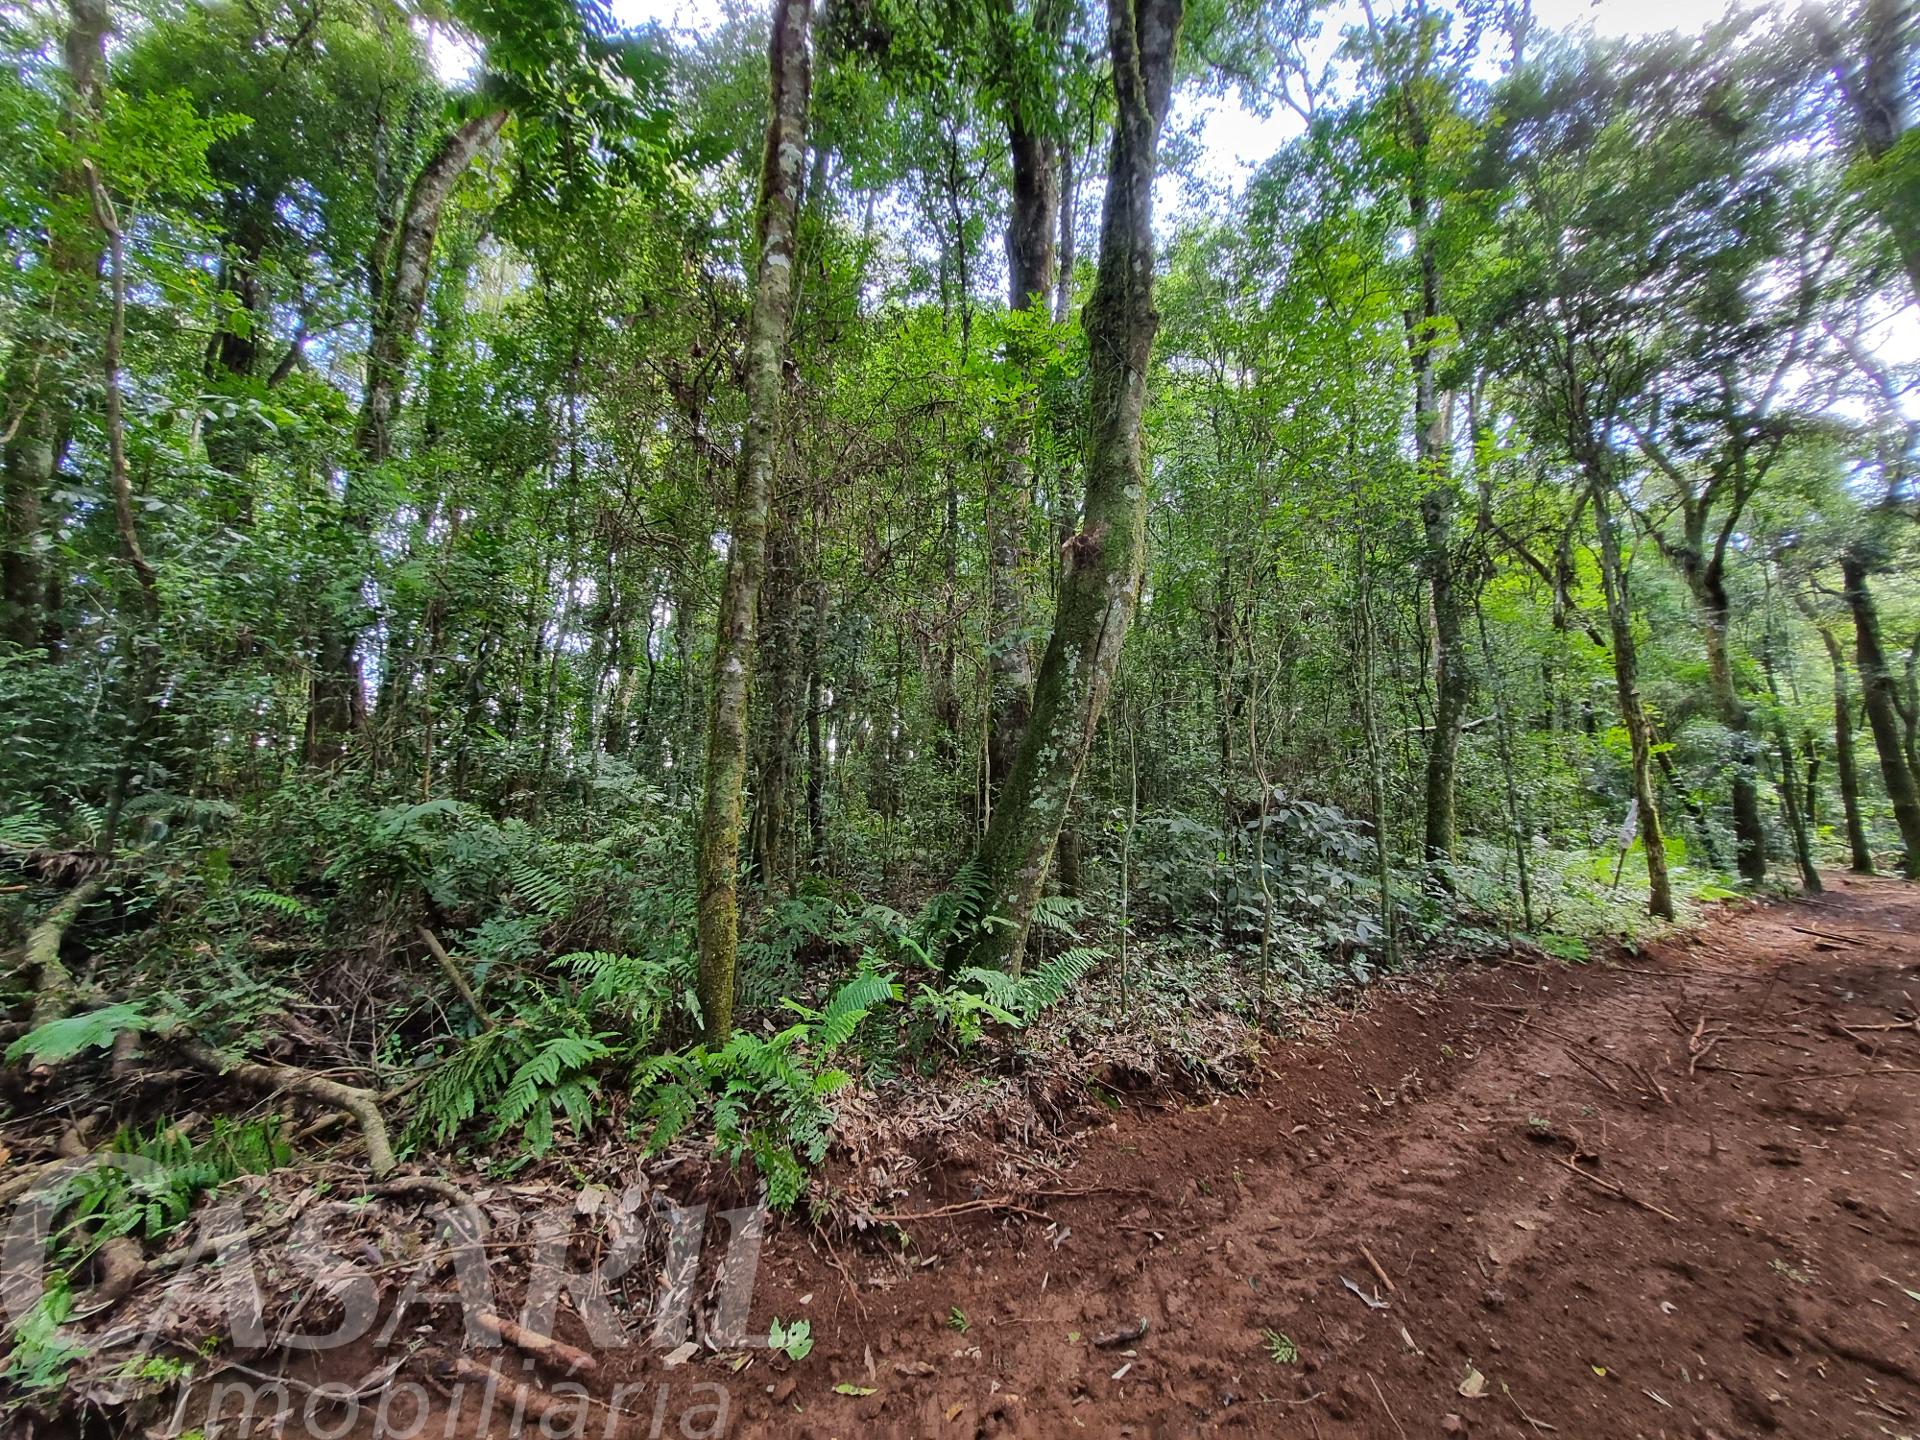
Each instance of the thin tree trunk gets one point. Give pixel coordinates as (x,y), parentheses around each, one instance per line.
(1102,564)
(790,73)
(338,706)
(143,643)
(1883,711)
(1626,674)
(1843,756)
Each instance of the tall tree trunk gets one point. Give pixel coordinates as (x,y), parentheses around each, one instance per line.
(338,704)
(1102,564)
(1883,711)
(1433,444)
(1626,674)
(1843,758)
(1749,830)
(790,71)
(1033,219)
(37,420)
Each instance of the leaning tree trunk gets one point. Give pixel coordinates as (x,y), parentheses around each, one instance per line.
(338,702)
(790,69)
(1102,564)
(1626,674)
(38,374)
(1883,714)
(1843,761)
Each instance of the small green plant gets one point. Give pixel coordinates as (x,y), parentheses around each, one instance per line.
(1280,1348)
(1570,948)
(957,1321)
(795,1341)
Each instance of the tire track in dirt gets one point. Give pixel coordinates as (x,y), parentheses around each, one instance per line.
(1435,1129)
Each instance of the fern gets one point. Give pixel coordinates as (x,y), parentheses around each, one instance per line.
(543,892)
(1059,913)
(525,1073)
(285,905)
(1047,985)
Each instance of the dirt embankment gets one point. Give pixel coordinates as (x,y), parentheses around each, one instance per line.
(1673,1196)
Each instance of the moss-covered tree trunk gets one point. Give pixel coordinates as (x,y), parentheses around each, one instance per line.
(1633,714)
(790,72)
(40,371)
(1102,562)
(1883,709)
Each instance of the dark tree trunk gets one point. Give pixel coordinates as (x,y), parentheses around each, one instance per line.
(1102,564)
(1844,763)
(41,369)
(1883,711)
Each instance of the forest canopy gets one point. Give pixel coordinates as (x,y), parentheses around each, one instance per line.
(664,574)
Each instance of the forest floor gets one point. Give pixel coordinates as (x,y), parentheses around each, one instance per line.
(1672,1194)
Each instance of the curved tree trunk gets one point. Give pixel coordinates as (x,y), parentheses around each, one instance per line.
(338,706)
(1883,711)
(790,69)
(1749,830)
(1102,564)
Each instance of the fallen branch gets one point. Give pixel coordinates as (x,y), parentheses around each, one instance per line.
(362,1105)
(41,965)
(1851,1074)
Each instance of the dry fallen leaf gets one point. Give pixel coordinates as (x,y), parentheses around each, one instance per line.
(1475,1385)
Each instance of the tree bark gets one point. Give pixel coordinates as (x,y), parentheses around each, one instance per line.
(1626,674)
(1033,219)
(1102,564)
(1883,711)
(790,72)
(1843,757)
(1749,830)
(37,421)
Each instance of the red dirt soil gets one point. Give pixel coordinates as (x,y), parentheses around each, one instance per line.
(1735,1254)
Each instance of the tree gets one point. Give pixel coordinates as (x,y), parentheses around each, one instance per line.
(1102,562)
(789,64)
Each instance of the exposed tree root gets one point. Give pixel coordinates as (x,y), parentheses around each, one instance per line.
(362,1105)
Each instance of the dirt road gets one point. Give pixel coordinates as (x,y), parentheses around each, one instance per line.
(1673,1196)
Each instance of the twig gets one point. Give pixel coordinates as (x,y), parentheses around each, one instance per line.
(1625,1195)
(1383,1405)
(1385,1279)
(1612,1088)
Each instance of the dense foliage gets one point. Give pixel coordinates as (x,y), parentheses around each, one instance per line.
(1525,477)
